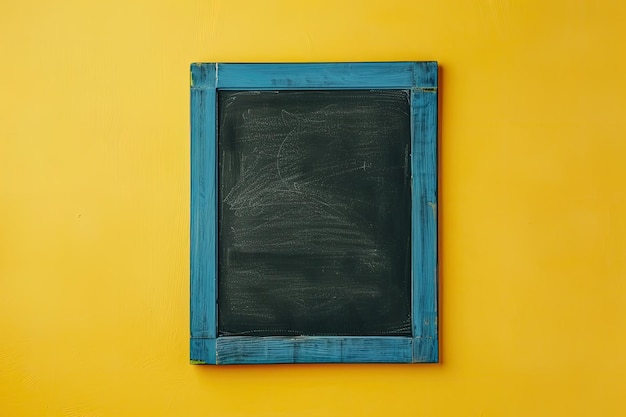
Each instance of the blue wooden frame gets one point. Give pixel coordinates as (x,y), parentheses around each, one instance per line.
(209,348)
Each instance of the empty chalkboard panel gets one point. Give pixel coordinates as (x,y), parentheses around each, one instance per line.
(314,213)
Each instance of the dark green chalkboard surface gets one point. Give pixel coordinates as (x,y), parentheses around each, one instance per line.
(314,204)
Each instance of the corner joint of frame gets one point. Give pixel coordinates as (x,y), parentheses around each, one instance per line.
(203,76)
(425,89)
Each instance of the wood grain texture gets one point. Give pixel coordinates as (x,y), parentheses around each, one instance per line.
(313,349)
(425,75)
(203,75)
(421,79)
(203,256)
(323,76)
(424,168)
(202,351)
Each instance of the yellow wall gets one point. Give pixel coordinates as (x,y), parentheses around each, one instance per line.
(94,191)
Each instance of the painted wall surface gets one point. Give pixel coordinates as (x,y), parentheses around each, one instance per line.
(94,192)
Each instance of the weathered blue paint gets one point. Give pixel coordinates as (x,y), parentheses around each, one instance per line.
(425,349)
(232,350)
(206,347)
(203,256)
(203,76)
(425,75)
(424,223)
(203,351)
(317,75)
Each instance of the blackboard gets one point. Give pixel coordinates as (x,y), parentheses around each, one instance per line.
(314,213)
